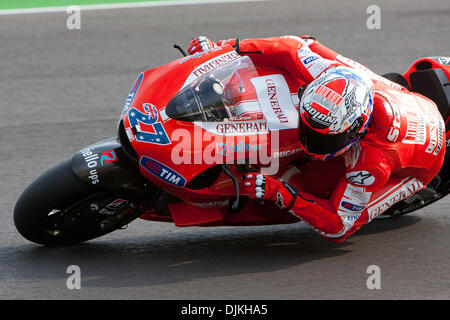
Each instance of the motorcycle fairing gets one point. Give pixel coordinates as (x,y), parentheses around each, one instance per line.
(208,211)
(154,135)
(104,164)
(185,215)
(430,77)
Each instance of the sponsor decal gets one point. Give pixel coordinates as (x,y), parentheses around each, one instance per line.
(441,138)
(163,172)
(303,52)
(309,59)
(406,189)
(351,104)
(279,201)
(108,157)
(416,129)
(319,117)
(129,133)
(276,103)
(93,160)
(354,201)
(442,60)
(212,204)
(162,114)
(113,207)
(422,120)
(327,98)
(286,153)
(133,92)
(353,217)
(92,163)
(433,140)
(360,178)
(319,66)
(215,63)
(351,206)
(239,118)
(210,65)
(436,126)
(238,128)
(154,131)
(224,149)
(313,62)
(357,194)
(117,204)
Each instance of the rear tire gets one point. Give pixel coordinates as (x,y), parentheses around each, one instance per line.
(60,209)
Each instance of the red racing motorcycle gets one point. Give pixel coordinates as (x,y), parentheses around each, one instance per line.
(188,133)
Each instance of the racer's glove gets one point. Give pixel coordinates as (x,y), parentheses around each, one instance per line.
(263,187)
(232,42)
(200,44)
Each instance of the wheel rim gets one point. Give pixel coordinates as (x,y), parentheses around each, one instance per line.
(92,214)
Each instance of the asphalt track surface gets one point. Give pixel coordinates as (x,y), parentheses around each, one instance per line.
(61,90)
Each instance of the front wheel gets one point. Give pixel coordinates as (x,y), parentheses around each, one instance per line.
(60,209)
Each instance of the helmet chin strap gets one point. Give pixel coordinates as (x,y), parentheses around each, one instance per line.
(301,91)
(358,137)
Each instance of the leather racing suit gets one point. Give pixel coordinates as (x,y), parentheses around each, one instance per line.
(401,153)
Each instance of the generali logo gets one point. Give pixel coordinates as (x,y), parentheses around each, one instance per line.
(211,64)
(275,104)
(215,63)
(404,191)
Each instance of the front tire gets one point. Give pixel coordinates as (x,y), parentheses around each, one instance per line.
(58,208)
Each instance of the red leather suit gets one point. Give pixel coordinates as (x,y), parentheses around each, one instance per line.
(402,152)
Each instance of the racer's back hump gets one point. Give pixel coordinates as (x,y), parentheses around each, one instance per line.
(410,130)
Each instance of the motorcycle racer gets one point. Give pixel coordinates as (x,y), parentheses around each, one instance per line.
(392,140)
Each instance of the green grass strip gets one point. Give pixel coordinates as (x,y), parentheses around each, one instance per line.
(26,4)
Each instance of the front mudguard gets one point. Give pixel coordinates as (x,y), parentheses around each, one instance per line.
(105,165)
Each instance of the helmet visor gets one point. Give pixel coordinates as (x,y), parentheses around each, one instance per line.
(324,144)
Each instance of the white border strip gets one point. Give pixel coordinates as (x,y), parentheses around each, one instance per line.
(120,6)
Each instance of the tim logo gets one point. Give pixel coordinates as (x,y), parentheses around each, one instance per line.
(108,157)
(351,206)
(163,172)
(133,91)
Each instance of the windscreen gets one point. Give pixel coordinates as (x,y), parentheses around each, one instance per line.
(218,95)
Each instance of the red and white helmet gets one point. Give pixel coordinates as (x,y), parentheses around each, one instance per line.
(335,110)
